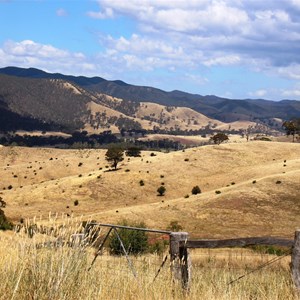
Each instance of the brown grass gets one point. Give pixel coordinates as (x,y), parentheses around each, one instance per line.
(29,271)
(242,207)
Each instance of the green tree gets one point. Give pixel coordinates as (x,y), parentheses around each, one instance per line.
(4,223)
(196,190)
(161,190)
(114,155)
(219,138)
(134,241)
(292,127)
(133,151)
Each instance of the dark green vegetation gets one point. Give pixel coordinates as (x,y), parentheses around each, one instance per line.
(161,190)
(4,223)
(114,155)
(292,127)
(219,138)
(134,241)
(196,190)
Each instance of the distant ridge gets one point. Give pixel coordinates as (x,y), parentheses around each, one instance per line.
(223,109)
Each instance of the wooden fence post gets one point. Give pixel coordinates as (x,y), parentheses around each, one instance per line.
(296,260)
(180,260)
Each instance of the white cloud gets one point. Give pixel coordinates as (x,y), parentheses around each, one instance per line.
(28,53)
(291,93)
(108,13)
(259,93)
(257,34)
(61,12)
(291,71)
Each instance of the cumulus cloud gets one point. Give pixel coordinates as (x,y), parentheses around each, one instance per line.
(107,13)
(28,53)
(259,34)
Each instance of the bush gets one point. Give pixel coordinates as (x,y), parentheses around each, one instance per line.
(142,183)
(218,192)
(158,247)
(196,190)
(134,241)
(161,190)
(76,202)
(4,223)
(174,226)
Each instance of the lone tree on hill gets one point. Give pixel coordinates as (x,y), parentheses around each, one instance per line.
(161,190)
(219,138)
(114,155)
(292,127)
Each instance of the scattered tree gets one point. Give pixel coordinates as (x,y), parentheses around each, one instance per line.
(161,190)
(196,190)
(114,155)
(133,151)
(219,138)
(292,127)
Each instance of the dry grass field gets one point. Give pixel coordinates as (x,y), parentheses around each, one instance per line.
(30,269)
(247,188)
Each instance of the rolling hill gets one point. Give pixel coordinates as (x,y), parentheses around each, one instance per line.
(222,109)
(48,104)
(247,188)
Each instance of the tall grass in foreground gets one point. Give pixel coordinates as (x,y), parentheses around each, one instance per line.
(31,271)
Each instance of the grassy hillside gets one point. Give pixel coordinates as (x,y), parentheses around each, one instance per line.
(258,184)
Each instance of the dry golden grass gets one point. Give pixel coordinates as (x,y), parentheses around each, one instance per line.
(242,208)
(29,271)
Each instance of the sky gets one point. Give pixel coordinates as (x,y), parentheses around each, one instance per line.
(230,48)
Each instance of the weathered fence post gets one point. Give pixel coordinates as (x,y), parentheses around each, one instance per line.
(296,260)
(180,261)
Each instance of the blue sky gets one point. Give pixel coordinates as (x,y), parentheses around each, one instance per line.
(230,48)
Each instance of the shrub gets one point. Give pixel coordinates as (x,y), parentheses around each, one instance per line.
(152,154)
(196,190)
(76,202)
(4,223)
(161,190)
(174,226)
(187,196)
(278,182)
(134,241)
(158,247)
(254,181)
(127,170)
(218,192)
(186,159)
(142,183)
(133,151)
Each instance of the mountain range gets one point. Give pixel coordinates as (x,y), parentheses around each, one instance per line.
(32,99)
